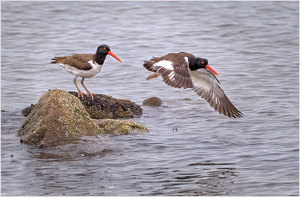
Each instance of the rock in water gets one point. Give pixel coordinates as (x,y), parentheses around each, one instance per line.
(152,101)
(57,116)
(27,110)
(120,126)
(104,106)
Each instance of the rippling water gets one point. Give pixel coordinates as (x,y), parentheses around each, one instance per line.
(191,149)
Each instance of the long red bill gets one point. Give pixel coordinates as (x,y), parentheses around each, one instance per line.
(113,55)
(212,70)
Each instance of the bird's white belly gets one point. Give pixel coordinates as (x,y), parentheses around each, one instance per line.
(96,68)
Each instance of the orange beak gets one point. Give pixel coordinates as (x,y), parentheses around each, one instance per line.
(212,70)
(113,55)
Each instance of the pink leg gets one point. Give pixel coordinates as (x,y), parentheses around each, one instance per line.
(80,94)
(87,91)
(154,75)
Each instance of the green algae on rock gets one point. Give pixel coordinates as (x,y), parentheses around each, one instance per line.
(104,106)
(56,117)
(120,126)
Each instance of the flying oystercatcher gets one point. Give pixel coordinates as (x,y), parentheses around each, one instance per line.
(85,65)
(184,70)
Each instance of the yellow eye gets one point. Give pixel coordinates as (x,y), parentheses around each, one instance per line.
(202,62)
(104,48)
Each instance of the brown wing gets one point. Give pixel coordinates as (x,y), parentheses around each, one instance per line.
(173,68)
(79,61)
(208,87)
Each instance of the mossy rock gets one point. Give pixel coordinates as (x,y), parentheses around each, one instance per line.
(152,101)
(57,117)
(112,126)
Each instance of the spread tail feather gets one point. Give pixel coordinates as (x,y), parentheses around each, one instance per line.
(53,61)
(57,60)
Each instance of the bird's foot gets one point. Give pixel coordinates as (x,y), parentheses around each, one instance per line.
(80,94)
(154,75)
(90,94)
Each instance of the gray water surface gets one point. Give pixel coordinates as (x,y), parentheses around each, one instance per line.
(191,149)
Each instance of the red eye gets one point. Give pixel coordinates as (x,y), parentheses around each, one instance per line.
(202,62)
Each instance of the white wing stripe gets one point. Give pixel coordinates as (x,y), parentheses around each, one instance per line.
(165,64)
(172,76)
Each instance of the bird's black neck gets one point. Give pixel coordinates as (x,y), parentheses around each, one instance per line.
(192,65)
(99,58)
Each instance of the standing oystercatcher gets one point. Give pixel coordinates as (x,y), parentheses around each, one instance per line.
(184,70)
(85,65)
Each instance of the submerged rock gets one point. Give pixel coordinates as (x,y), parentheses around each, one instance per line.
(152,101)
(57,117)
(120,126)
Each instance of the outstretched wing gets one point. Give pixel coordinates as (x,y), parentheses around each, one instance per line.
(208,87)
(173,68)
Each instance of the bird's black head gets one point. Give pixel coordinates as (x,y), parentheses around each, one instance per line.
(101,53)
(198,63)
(103,49)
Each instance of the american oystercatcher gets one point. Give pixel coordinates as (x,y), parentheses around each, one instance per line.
(184,70)
(85,65)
